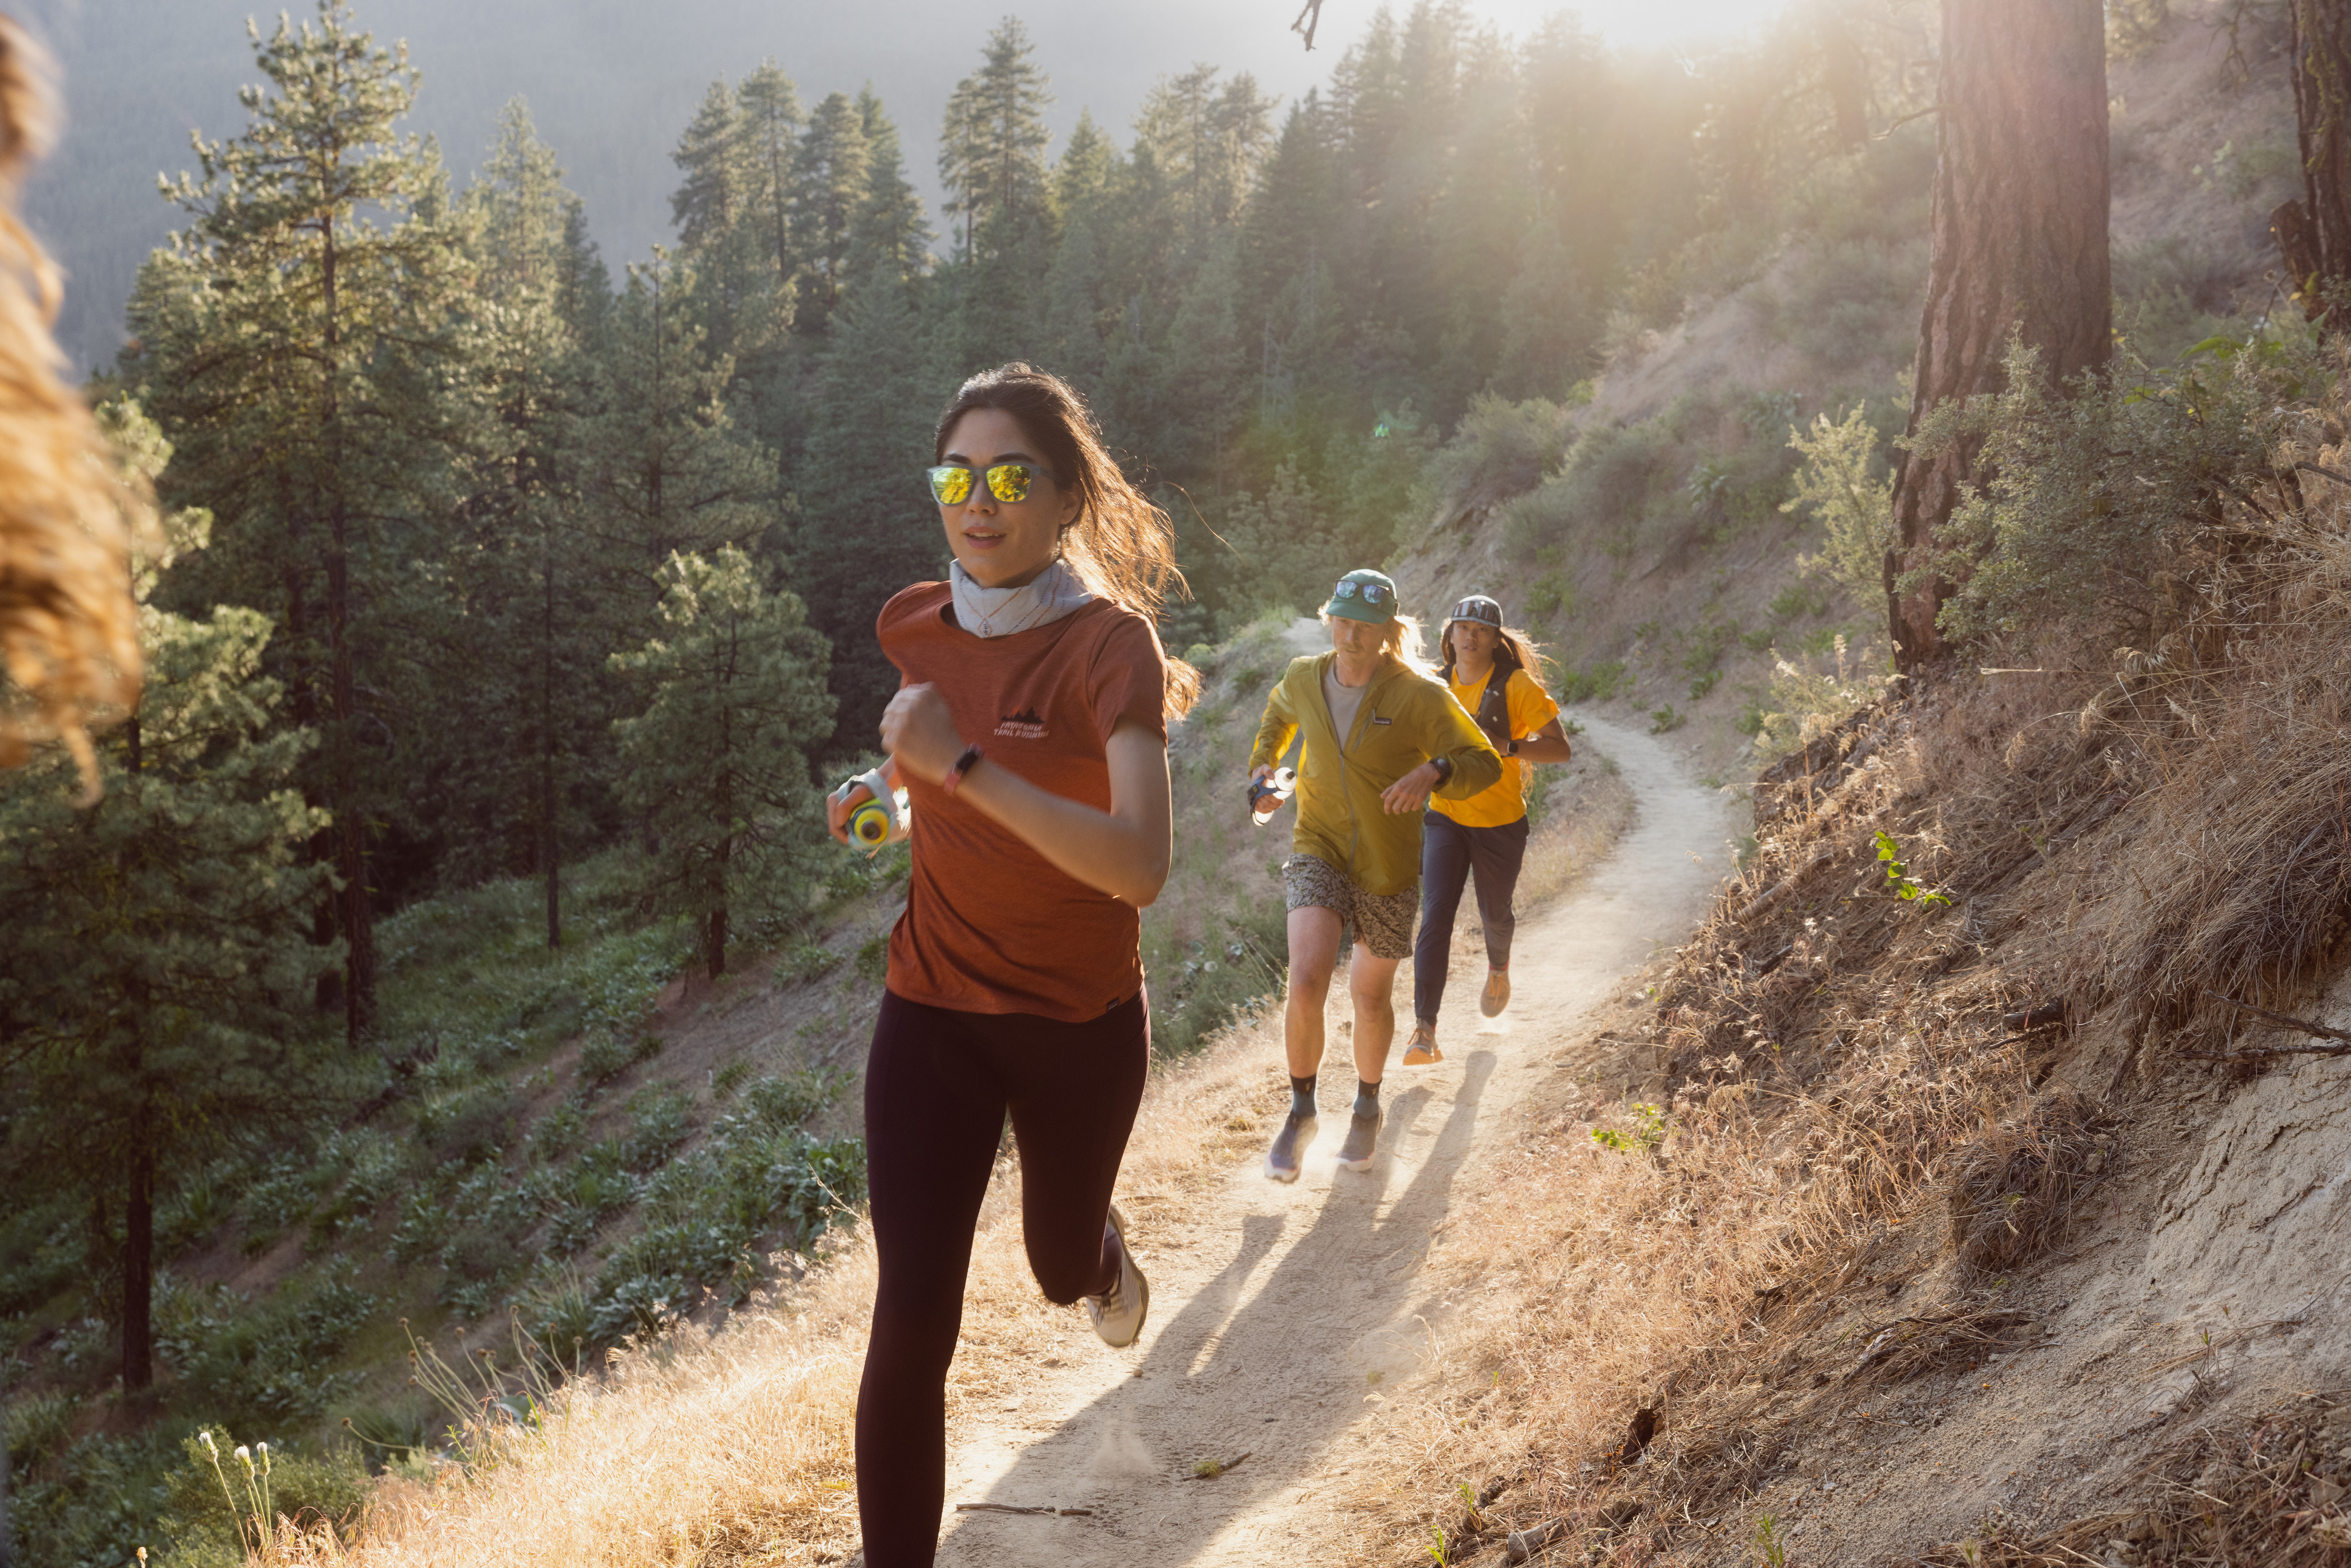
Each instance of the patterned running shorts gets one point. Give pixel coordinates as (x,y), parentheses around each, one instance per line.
(1383,922)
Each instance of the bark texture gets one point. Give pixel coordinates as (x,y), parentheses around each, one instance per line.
(2019,244)
(2314,234)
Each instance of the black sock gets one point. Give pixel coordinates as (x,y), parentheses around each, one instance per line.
(1367,1098)
(1301,1095)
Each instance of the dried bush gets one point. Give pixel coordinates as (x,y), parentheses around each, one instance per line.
(2014,1194)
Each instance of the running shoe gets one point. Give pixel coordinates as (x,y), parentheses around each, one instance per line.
(1496,993)
(1118,1312)
(1363,1139)
(1289,1151)
(1421,1050)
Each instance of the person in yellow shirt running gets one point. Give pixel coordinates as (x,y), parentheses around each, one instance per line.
(1378,736)
(1492,671)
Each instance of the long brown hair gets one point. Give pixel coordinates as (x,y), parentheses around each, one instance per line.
(1516,651)
(68,630)
(1120,546)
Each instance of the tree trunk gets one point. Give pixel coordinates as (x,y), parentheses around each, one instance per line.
(2020,245)
(713,941)
(2314,234)
(139,1266)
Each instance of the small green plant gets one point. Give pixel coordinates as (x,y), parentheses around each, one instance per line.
(1436,1548)
(1595,684)
(1890,855)
(873,959)
(1647,1130)
(1663,719)
(1208,1469)
(1704,684)
(252,1512)
(1770,1549)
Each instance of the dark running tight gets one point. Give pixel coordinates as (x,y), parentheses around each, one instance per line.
(1449,854)
(936,1090)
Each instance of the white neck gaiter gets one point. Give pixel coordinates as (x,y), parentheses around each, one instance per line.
(1000,612)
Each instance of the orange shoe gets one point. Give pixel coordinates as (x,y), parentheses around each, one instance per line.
(1496,993)
(1421,1050)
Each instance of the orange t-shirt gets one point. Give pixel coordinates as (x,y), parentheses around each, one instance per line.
(991,926)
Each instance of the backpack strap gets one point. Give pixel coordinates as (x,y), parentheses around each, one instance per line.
(1493,715)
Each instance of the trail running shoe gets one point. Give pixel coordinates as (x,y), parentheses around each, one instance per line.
(1118,1312)
(1496,993)
(1289,1151)
(1421,1050)
(1363,1139)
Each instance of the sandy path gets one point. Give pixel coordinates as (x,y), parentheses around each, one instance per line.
(1273,1308)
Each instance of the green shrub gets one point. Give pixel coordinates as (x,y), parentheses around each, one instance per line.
(470,1126)
(1845,487)
(1595,682)
(1220,978)
(210,1515)
(2092,495)
(35,1427)
(269,1362)
(873,959)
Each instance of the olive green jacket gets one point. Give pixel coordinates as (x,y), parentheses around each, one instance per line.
(1405,720)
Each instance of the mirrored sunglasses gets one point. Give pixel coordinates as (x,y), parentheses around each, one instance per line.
(951,482)
(1477,608)
(1370,592)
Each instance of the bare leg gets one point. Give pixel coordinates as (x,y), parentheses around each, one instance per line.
(1313,954)
(1371,983)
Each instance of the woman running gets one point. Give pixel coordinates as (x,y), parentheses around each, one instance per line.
(1379,734)
(1030,734)
(1492,671)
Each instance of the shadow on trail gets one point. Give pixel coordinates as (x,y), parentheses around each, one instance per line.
(1277,1369)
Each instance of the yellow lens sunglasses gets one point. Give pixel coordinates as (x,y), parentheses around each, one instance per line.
(951,482)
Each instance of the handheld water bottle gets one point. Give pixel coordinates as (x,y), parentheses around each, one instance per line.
(1266,795)
(885,819)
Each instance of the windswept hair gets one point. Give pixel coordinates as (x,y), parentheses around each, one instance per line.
(1120,546)
(1516,651)
(68,629)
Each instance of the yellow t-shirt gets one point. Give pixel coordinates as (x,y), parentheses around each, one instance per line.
(1530,709)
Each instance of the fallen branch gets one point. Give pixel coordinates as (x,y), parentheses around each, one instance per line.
(1009,1508)
(2263,1053)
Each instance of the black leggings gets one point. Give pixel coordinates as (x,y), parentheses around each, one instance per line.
(1448,853)
(936,1090)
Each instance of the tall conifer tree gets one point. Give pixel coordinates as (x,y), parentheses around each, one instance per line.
(297,342)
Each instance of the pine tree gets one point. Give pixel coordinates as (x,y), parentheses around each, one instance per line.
(298,345)
(523,628)
(717,761)
(708,201)
(868,527)
(1208,140)
(992,146)
(890,224)
(155,963)
(830,182)
(665,468)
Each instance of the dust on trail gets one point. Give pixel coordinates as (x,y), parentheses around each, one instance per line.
(1277,1312)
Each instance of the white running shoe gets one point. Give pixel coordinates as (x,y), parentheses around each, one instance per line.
(1289,1151)
(1118,1312)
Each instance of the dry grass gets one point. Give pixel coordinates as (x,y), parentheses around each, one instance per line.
(732,1446)
(2264,1493)
(1865,1097)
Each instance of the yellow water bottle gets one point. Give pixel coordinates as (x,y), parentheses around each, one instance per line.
(883,818)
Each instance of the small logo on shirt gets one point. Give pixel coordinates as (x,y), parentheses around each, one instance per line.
(1377,719)
(1022,725)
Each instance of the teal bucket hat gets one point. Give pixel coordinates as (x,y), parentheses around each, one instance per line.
(1364,595)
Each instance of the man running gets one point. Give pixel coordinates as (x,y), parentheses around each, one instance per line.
(1379,734)
(1493,671)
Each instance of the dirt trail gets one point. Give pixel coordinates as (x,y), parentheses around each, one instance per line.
(1278,1313)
